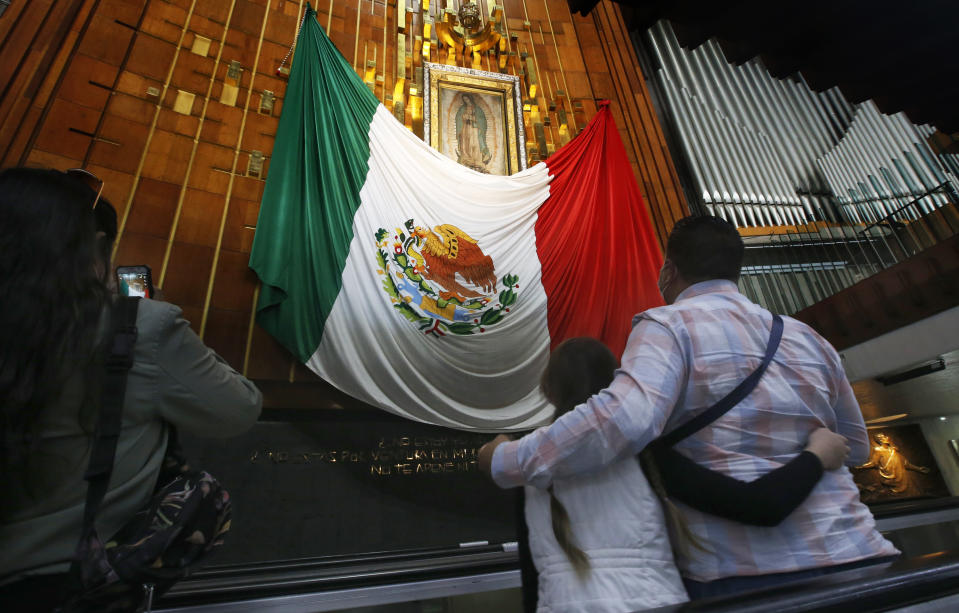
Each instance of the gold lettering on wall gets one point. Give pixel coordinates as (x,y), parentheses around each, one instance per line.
(399,456)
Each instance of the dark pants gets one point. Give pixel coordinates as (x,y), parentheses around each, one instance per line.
(735,585)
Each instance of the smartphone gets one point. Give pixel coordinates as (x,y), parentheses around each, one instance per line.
(135,281)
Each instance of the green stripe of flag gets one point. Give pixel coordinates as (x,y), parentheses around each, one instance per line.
(319,164)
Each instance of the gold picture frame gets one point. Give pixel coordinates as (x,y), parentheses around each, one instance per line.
(475,118)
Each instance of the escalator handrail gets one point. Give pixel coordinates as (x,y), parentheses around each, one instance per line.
(876,588)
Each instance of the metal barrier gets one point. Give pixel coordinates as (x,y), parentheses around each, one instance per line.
(789,271)
(926,584)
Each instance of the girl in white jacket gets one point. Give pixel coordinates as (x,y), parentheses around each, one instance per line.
(599,542)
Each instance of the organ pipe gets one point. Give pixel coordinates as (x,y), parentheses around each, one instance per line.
(766,151)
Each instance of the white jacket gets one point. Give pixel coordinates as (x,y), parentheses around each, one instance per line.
(617,520)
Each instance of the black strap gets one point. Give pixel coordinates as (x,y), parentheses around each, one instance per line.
(731,399)
(118,364)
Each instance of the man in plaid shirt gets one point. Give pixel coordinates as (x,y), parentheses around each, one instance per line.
(682,358)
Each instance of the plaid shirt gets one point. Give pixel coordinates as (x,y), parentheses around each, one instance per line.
(680,360)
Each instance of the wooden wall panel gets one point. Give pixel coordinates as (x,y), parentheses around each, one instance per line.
(109,102)
(222,336)
(117,185)
(35,50)
(88,82)
(141,249)
(266,358)
(153,208)
(638,123)
(168,157)
(199,220)
(164,20)
(119,143)
(240,222)
(151,57)
(68,129)
(235,282)
(182,286)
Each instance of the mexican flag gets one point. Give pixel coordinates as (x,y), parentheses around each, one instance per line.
(426,288)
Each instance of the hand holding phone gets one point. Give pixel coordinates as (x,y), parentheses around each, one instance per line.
(135,281)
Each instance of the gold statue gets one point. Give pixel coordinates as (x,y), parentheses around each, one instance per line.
(892,466)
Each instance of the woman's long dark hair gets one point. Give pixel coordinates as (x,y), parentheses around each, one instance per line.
(577,369)
(54,266)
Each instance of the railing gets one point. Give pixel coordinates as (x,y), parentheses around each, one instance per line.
(787,272)
(927,583)
(922,583)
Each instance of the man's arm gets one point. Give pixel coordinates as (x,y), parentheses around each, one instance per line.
(766,501)
(849,422)
(621,420)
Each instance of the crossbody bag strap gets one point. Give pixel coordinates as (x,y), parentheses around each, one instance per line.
(731,399)
(118,364)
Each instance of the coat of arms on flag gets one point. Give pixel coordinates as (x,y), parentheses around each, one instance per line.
(427,274)
(372,245)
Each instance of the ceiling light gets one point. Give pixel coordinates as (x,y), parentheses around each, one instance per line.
(882,420)
(925,369)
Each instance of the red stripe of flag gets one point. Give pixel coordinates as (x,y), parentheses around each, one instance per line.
(599,255)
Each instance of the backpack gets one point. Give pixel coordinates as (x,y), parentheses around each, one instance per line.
(188,515)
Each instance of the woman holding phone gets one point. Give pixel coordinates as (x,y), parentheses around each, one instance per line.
(56,236)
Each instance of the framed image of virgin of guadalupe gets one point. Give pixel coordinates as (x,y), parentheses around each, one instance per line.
(475,118)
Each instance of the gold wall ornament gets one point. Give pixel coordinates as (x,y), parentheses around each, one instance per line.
(531,77)
(474,117)
(231,84)
(201,45)
(400,56)
(267,99)
(184,102)
(400,16)
(254,167)
(370,76)
(484,40)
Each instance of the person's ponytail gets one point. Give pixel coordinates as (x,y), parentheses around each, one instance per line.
(577,369)
(564,535)
(674,517)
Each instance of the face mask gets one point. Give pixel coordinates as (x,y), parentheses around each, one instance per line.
(665,279)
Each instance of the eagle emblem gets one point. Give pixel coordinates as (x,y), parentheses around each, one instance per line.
(440,279)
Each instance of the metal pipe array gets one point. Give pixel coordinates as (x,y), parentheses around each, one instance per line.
(772,152)
(880,163)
